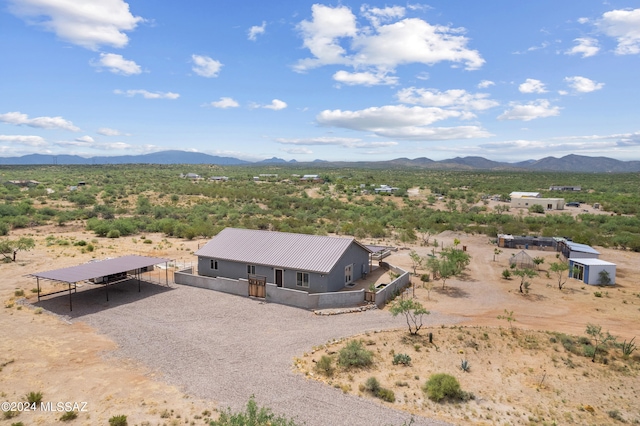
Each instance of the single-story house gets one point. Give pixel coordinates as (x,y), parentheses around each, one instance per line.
(312,263)
(385,189)
(593,271)
(571,250)
(547,203)
(564,188)
(520,194)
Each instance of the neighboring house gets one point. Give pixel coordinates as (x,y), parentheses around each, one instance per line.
(385,189)
(312,263)
(23,183)
(546,203)
(571,250)
(193,176)
(565,188)
(593,271)
(313,178)
(219,178)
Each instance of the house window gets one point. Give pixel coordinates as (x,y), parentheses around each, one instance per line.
(578,272)
(251,269)
(214,264)
(302,279)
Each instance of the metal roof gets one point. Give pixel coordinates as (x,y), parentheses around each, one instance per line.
(591,262)
(303,252)
(582,248)
(99,268)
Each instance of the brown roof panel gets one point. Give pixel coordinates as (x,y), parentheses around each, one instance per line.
(304,252)
(99,268)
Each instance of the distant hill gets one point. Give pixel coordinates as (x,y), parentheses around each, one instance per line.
(569,163)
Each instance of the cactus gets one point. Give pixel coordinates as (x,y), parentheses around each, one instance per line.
(465,366)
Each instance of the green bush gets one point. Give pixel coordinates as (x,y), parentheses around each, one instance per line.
(386,395)
(441,386)
(325,366)
(68,416)
(114,233)
(401,359)
(372,385)
(34,397)
(355,355)
(253,416)
(18,293)
(506,274)
(120,420)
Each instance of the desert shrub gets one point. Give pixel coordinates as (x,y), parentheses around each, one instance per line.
(18,293)
(34,397)
(90,247)
(403,359)
(506,274)
(355,355)
(372,385)
(253,415)
(68,416)
(325,366)
(386,395)
(120,420)
(80,243)
(441,386)
(114,233)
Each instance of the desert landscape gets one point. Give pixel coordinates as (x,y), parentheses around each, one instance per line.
(520,372)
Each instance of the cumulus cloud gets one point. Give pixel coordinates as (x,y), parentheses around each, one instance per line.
(455,98)
(23,140)
(532,85)
(364,78)
(20,119)
(276,105)
(105,131)
(583,84)
(299,150)
(112,146)
(335,141)
(87,139)
(146,94)
(88,23)
(117,64)
(402,122)
(384,46)
(225,103)
(540,108)
(485,83)
(256,30)
(624,26)
(585,46)
(204,66)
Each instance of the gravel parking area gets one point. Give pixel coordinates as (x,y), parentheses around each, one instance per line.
(225,348)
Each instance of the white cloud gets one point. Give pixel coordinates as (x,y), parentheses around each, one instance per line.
(624,26)
(255,30)
(383,47)
(146,94)
(377,15)
(485,83)
(20,119)
(23,140)
(337,141)
(117,64)
(225,103)
(276,105)
(585,46)
(303,151)
(204,66)
(563,92)
(540,108)
(399,121)
(364,78)
(87,23)
(455,98)
(87,139)
(112,146)
(583,84)
(532,85)
(105,131)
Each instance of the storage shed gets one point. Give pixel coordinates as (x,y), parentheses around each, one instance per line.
(593,271)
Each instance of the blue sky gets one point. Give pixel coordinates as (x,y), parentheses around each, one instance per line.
(506,80)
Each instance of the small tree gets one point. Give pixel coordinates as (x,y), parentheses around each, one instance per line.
(413,312)
(416,261)
(604,278)
(559,269)
(538,261)
(508,316)
(427,284)
(506,274)
(524,274)
(496,252)
(10,248)
(599,338)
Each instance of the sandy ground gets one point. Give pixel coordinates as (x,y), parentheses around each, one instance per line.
(73,361)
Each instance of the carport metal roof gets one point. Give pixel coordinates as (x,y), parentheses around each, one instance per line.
(100,268)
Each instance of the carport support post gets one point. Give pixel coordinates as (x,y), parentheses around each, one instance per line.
(70,305)
(166,273)
(38,284)
(138,277)
(106,289)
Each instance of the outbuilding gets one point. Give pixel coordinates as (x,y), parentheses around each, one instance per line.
(593,271)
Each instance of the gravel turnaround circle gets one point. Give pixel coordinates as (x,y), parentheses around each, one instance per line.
(226,348)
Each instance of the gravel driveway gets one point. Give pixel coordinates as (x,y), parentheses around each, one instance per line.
(225,348)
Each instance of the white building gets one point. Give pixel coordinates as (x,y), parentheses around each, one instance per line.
(592,271)
(546,203)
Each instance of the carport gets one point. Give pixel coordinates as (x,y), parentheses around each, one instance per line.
(105,272)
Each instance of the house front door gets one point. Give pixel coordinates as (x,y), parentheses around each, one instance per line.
(348,274)
(279,278)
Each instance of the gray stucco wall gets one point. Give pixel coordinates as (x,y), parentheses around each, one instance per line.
(355,255)
(398,284)
(225,285)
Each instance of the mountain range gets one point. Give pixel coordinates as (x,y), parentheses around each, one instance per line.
(568,163)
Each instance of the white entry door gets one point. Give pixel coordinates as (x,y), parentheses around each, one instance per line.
(348,274)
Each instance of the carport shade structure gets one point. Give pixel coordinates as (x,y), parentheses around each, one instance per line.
(127,265)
